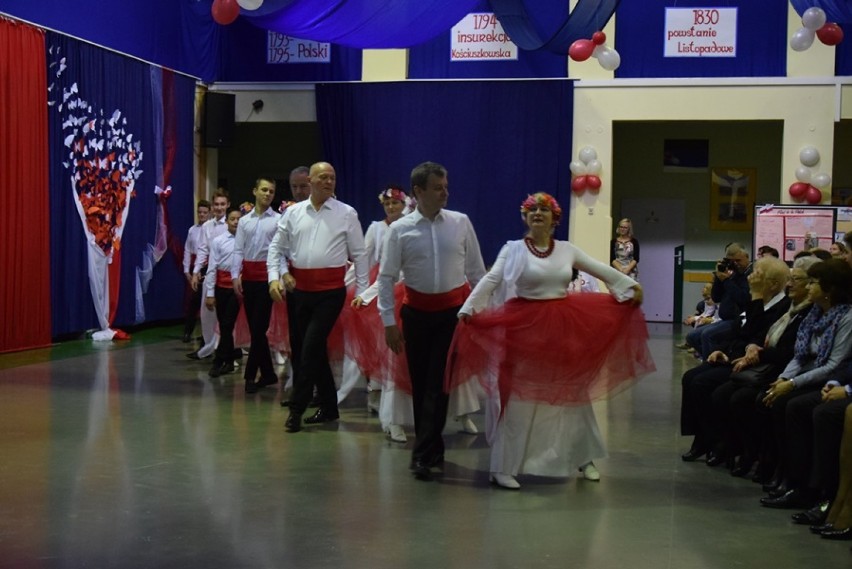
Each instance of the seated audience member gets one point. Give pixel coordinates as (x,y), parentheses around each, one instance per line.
(768,303)
(705,313)
(838,250)
(734,400)
(820,253)
(767,251)
(730,291)
(822,346)
(838,521)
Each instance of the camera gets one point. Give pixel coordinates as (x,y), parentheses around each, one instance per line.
(725,265)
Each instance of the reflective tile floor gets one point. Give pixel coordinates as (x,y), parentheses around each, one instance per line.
(127,455)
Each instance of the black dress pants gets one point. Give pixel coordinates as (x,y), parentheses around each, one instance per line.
(227,309)
(696,416)
(315,315)
(258,306)
(428,336)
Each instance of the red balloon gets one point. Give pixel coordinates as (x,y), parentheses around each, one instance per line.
(594,182)
(830,34)
(578,184)
(581,50)
(813,196)
(225,11)
(599,38)
(798,190)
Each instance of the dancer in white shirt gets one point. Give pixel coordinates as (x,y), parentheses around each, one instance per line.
(318,237)
(211,229)
(219,295)
(544,355)
(192,298)
(437,251)
(249,274)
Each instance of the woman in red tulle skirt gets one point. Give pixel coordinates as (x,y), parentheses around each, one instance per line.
(542,355)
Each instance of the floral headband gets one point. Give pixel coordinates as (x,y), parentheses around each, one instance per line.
(396,193)
(542,199)
(246,207)
(284,205)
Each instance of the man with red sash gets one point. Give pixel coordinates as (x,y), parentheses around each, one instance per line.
(211,229)
(219,294)
(192,299)
(317,236)
(248,271)
(437,251)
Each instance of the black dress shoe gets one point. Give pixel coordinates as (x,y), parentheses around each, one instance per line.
(265,382)
(813,517)
(792,499)
(715,459)
(251,386)
(322,416)
(420,470)
(838,534)
(743,468)
(193,356)
(821,528)
(436,461)
(293,424)
(693,454)
(779,490)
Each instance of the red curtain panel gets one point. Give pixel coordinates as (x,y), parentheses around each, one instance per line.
(24,229)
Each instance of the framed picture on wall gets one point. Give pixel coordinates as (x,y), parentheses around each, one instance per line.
(732,196)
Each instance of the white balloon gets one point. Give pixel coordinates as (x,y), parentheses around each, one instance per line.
(813,18)
(578,168)
(587,154)
(598,49)
(802,39)
(609,59)
(250,4)
(594,167)
(809,156)
(803,174)
(821,180)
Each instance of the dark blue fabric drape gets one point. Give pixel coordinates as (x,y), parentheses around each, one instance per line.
(761,41)
(109,82)
(499,140)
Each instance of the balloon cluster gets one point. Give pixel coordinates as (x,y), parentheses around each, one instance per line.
(809,185)
(586,171)
(814,25)
(226,11)
(581,50)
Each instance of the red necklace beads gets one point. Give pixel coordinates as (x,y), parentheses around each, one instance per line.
(540,254)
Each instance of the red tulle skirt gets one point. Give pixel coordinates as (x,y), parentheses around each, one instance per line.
(365,343)
(278,332)
(568,351)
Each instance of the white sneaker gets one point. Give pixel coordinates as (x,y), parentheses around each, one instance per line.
(278,358)
(397,434)
(505,481)
(590,472)
(467,425)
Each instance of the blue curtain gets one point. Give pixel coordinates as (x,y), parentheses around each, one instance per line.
(499,140)
(361,23)
(108,83)
(837,11)
(761,41)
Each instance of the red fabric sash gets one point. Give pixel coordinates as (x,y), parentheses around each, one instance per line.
(316,280)
(223,279)
(254,271)
(436,302)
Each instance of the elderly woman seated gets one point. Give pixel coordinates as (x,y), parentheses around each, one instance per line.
(821,352)
(734,401)
(768,303)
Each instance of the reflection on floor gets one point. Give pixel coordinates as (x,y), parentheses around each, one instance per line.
(130,456)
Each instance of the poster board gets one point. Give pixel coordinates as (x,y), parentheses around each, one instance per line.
(794,228)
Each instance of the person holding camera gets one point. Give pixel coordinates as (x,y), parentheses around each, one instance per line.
(730,291)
